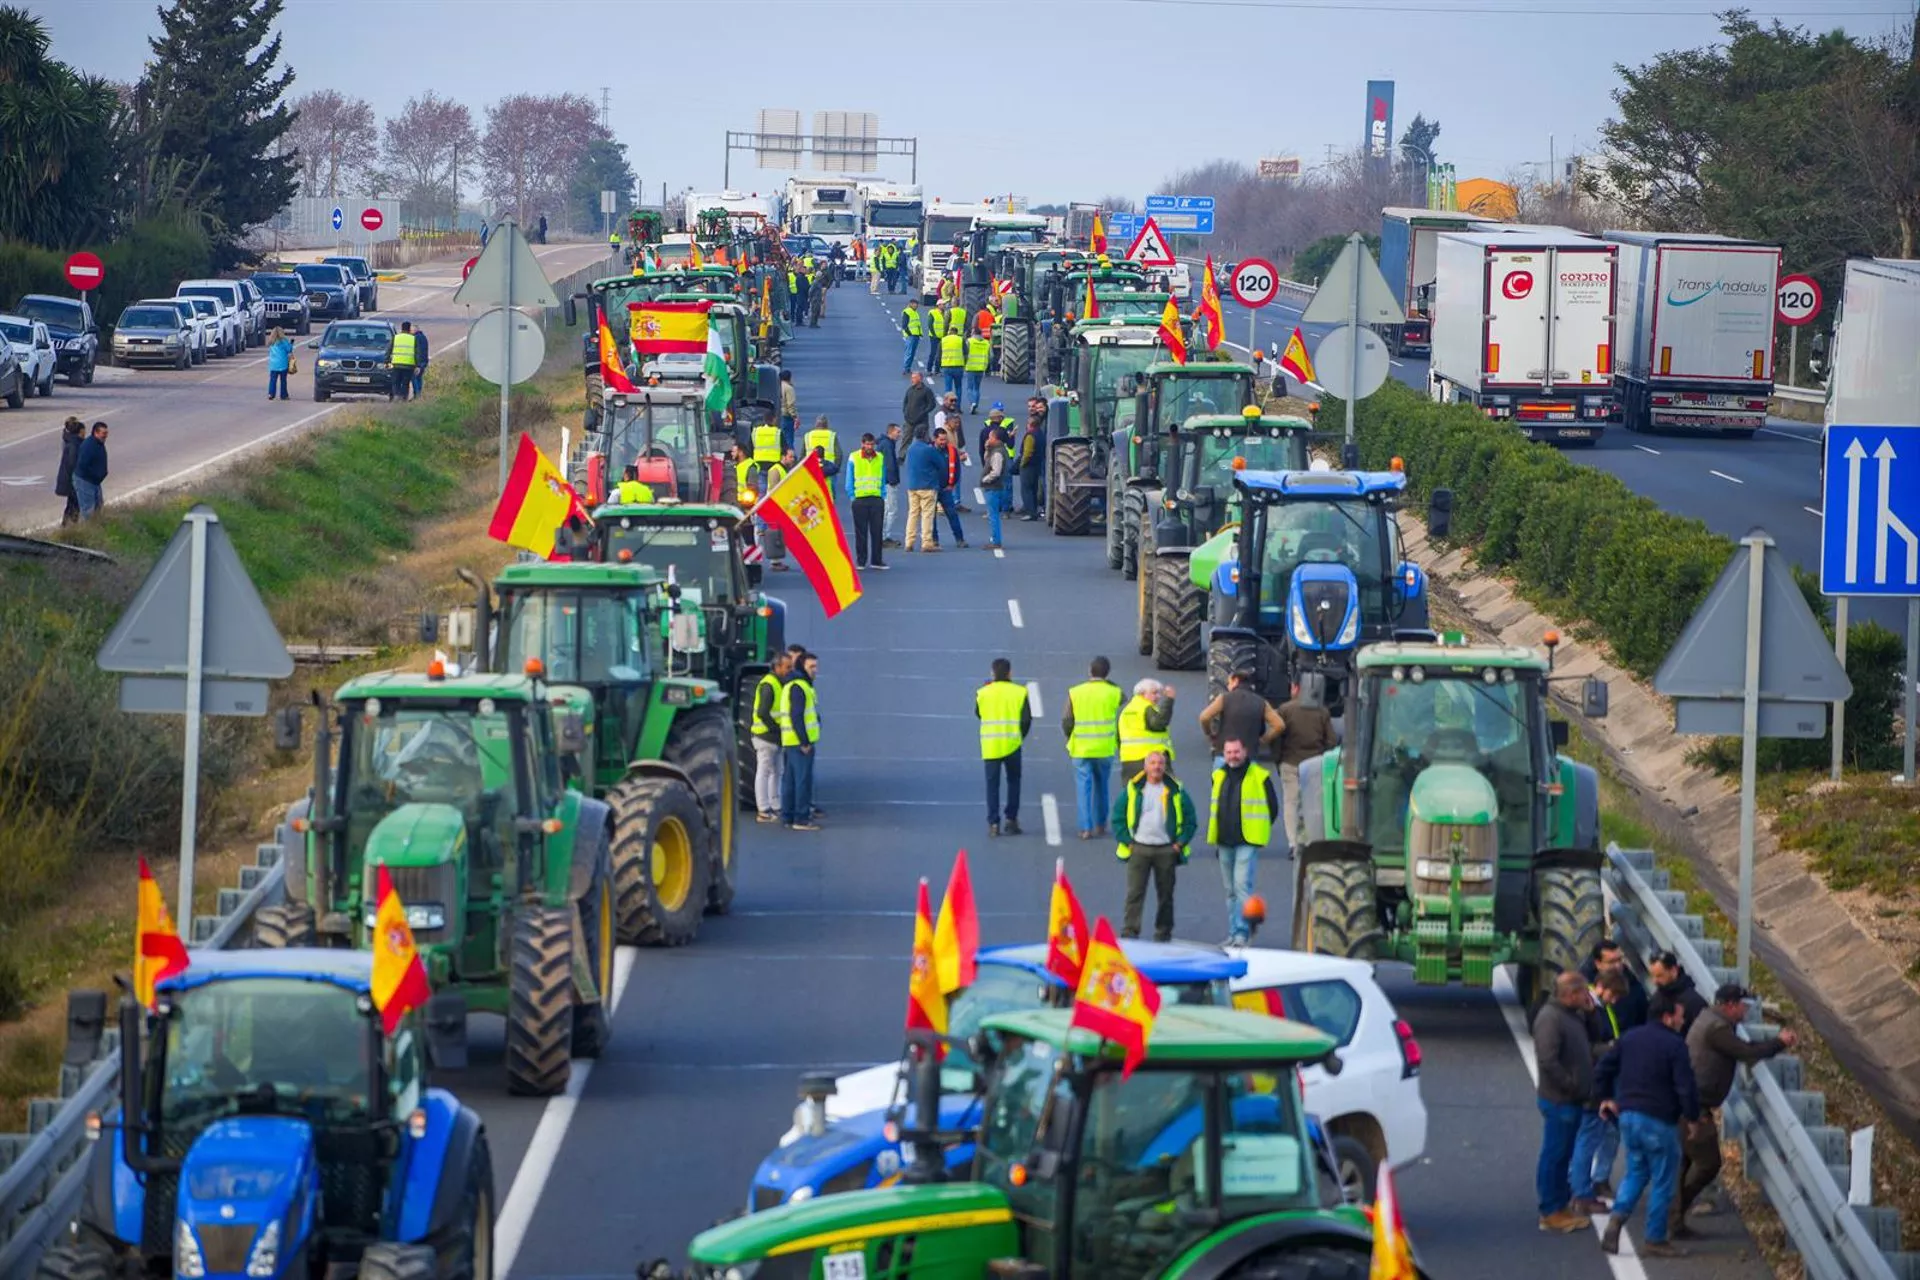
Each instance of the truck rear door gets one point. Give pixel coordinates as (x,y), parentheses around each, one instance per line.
(1518,294)
(1713,315)
(1583,317)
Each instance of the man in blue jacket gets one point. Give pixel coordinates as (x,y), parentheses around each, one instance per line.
(90,472)
(1647,1084)
(926,471)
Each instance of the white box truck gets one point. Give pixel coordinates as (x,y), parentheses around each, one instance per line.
(1873,377)
(1407,240)
(826,207)
(1523,329)
(1696,331)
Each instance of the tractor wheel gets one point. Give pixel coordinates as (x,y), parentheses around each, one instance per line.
(1308,1262)
(702,744)
(74,1262)
(1143,613)
(973,297)
(1070,505)
(593,1023)
(659,862)
(1016,352)
(1571,910)
(389,1261)
(1179,609)
(1116,542)
(1338,915)
(1131,529)
(469,1237)
(1224,657)
(539,1004)
(288,925)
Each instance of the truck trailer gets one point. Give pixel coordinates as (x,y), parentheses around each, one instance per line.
(1696,331)
(1407,239)
(1874,378)
(825,207)
(1523,329)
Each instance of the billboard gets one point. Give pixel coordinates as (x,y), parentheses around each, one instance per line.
(1379,142)
(1279,167)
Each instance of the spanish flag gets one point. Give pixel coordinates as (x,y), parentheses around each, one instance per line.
(1091,311)
(399,983)
(801,507)
(1097,242)
(1210,308)
(926,1006)
(1392,1251)
(1170,334)
(1115,1001)
(698,261)
(956,937)
(158,952)
(1295,360)
(535,503)
(612,372)
(1066,930)
(661,328)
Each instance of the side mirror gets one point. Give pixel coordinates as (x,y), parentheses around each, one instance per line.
(1560,732)
(1440,513)
(755,572)
(1332,1065)
(571,734)
(447,1031)
(86,1026)
(573,312)
(1204,496)
(1593,698)
(313,344)
(287,729)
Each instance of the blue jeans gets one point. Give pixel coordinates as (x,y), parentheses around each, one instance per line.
(1561,1122)
(950,380)
(89,495)
(1010,767)
(419,380)
(971,396)
(911,343)
(1090,790)
(1593,1153)
(786,431)
(997,506)
(1653,1166)
(276,384)
(949,505)
(796,786)
(1237,864)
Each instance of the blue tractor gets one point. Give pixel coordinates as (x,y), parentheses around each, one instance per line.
(271,1128)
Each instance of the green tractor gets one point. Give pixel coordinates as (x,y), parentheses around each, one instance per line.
(1447,831)
(661,747)
(456,785)
(1030,298)
(1103,356)
(1163,396)
(1199,1164)
(1187,500)
(663,430)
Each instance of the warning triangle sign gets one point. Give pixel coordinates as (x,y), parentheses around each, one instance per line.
(1149,248)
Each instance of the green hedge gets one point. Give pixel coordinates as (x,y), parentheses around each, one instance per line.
(147,262)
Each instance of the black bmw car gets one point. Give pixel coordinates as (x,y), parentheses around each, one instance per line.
(354,358)
(331,291)
(289,301)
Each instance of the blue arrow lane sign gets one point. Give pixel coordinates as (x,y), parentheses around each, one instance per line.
(1868,545)
(339,218)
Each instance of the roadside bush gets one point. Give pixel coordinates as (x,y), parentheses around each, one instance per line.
(154,256)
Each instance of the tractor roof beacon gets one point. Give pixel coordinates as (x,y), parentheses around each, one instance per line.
(269,1127)
(1446,831)
(1199,1164)
(457,786)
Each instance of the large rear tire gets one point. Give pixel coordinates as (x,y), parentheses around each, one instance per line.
(659,861)
(593,1021)
(74,1262)
(468,1239)
(388,1261)
(539,1004)
(287,925)
(1142,611)
(1116,542)
(1179,609)
(1016,351)
(702,744)
(1133,527)
(1070,504)
(1307,1262)
(1338,915)
(1224,657)
(1571,909)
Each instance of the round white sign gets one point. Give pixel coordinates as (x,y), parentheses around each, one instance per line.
(1254,283)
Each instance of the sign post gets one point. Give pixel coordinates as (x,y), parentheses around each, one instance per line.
(1797,303)
(1255,283)
(1353,294)
(506,275)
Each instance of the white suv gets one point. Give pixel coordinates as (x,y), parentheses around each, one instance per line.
(250,320)
(33,348)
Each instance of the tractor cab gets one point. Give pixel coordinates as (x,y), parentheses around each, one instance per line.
(1166,394)
(1202,455)
(1106,361)
(662,430)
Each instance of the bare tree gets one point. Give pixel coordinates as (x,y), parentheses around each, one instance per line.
(533,145)
(429,148)
(335,139)
(1875,123)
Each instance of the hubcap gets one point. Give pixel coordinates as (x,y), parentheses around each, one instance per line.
(672,864)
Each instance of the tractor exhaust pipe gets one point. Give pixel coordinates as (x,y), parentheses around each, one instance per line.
(321,809)
(929,1162)
(482,619)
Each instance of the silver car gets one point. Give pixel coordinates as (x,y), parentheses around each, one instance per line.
(152,334)
(205,325)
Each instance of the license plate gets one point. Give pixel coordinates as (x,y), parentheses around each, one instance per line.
(357,377)
(1578,433)
(844,1266)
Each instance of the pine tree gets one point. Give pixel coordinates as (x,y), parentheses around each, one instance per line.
(215,69)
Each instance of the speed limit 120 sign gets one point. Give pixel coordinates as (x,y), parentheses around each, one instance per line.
(1799,299)
(1254,283)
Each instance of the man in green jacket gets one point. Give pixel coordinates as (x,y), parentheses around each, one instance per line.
(1153,820)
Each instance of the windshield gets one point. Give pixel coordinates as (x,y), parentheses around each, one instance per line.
(700,557)
(356,267)
(1183,396)
(218,294)
(279,286)
(1448,718)
(906,217)
(1349,531)
(20,333)
(1214,454)
(582,637)
(449,753)
(1001,987)
(1012,235)
(319,273)
(149,318)
(203,306)
(306,1042)
(1130,304)
(358,337)
(832,224)
(943,231)
(51,311)
(667,431)
(1115,371)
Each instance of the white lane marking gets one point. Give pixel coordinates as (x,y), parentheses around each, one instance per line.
(21,482)
(1050,817)
(1013,610)
(1724,476)
(1033,697)
(1816,514)
(1642,448)
(1625,1265)
(1791,435)
(38,435)
(979,496)
(523,1197)
(999,554)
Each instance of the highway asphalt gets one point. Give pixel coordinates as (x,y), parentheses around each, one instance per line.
(661,1136)
(171,426)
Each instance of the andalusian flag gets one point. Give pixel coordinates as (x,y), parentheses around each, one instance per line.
(956,936)
(926,1006)
(1170,335)
(661,328)
(1097,242)
(399,983)
(1210,308)
(801,507)
(1295,360)
(535,503)
(612,372)
(158,953)
(1115,1001)
(1067,936)
(1392,1251)
(719,377)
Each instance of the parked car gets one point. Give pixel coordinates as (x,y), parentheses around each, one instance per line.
(13,379)
(334,283)
(32,347)
(204,325)
(257,308)
(233,317)
(228,293)
(289,305)
(220,328)
(355,358)
(76,336)
(363,278)
(152,333)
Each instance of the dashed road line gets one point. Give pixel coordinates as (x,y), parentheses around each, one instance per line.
(1724,476)
(1033,699)
(979,495)
(1013,610)
(1642,448)
(1050,817)
(1815,513)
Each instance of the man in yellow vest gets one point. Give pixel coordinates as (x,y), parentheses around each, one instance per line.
(1005,720)
(823,439)
(911,329)
(1153,823)
(936,333)
(1092,725)
(1144,726)
(798,737)
(768,722)
(979,348)
(953,359)
(631,489)
(1245,813)
(405,356)
(766,443)
(867,486)
(957,314)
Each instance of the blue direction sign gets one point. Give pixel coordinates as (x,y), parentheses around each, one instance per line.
(1868,544)
(339,218)
(1182,215)
(1123,227)
(1179,204)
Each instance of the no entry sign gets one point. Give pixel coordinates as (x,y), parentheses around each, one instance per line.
(372,219)
(85,271)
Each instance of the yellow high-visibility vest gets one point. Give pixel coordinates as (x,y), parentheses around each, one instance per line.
(999,703)
(912,318)
(821,438)
(953,351)
(766,442)
(1136,740)
(978,349)
(404,350)
(938,319)
(1256,821)
(635,491)
(869,475)
(761,727)
(809,715)
(1096,720)
(957,314)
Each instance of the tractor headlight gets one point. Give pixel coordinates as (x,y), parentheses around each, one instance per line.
(1302,634)
(420,915)
(1350,632)
(186,1253)
(799,1194)
(1441,869)
(265,1258)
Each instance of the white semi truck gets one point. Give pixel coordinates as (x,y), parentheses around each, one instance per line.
(944,224)
(1873,375)
(826,207)
(1696,331)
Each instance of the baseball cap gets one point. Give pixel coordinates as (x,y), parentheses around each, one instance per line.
(1731,993)
(998,405)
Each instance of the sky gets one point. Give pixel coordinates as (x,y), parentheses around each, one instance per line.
(1055,100)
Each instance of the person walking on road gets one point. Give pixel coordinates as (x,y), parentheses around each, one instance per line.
(1153,822)
(951,460)
(1591,1171)
(926,467)
(916,408)
(823,441)
(403,361)
(1092,725)
(1033,457)
(90,472)
(953,359)
(1145,725)
(978,350)
(936,334)
(1306,732)
(799,735)
(995,481)
(1240,822)
(867,486)
(911,330)
(71,436)
(768,726)
(889,446)
(817,302)
(1714,1050)
(1564,1053)
(1240,713)
(1670,980)
(1005,721)
(789,409)
(1647,1085)
(279,363)
(419,363)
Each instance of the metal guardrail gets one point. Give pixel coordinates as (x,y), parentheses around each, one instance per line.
(46,1168)
(1799,1162)
(1804,395)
